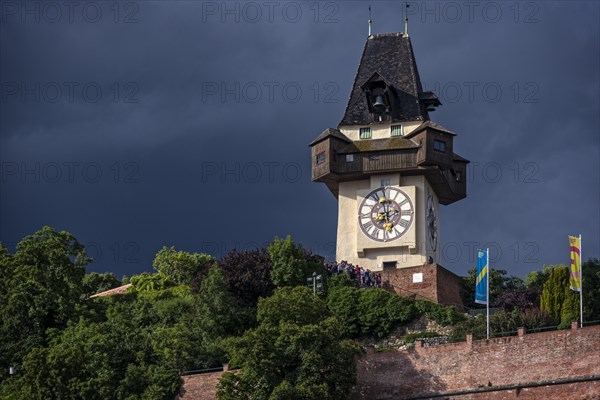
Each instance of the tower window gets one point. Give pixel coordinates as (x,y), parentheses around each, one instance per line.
(321,157)
(386,182)
(365,133)
(349,157)
(396,130)
(438,145)
(389,265)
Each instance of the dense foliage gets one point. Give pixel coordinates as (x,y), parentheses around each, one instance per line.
(248,274)
(557,299)
(42,284)
(66,346)
(544,299)
(182,266)
(500,282)
(291,263)
(251,309)
(295,352)
(591,289)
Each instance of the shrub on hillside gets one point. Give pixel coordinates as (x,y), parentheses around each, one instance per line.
(380,311)
(343,303)
(443,315)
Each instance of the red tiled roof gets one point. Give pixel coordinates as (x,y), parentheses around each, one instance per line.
(112,292)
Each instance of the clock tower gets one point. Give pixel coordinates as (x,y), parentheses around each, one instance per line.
(390,168)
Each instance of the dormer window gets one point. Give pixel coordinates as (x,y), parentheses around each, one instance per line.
(321,157)
(440,146)
(396,130)
(365,133)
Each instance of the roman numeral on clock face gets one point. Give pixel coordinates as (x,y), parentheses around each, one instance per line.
(396,213)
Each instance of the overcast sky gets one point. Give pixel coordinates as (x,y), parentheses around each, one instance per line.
(185,123)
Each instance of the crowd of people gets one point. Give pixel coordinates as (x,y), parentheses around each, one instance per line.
(361,276)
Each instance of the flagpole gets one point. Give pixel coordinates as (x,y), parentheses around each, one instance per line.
(487,281)
(580,284)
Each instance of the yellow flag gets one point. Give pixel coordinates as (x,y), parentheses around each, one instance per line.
(575,279)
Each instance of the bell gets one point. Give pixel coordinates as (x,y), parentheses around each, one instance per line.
(379,106)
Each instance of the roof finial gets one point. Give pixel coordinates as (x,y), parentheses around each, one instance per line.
(405,34)
(370,21)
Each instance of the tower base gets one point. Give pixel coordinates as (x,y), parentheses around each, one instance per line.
(425,282)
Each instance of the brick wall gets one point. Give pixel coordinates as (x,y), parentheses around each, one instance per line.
(438,285)
(525,367)
(502,363)
(450,290)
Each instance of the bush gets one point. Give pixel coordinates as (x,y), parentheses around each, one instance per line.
(473,325)
(338,280)
(412,337)
(343,302)
(380,311)
(443,315)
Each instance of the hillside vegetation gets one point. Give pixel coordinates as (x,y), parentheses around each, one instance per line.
(251,309)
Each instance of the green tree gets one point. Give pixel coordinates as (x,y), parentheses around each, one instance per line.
(248,275)
(218,317)
(97,361)
(535,279)
(591,289)
(379,311)
(146,281)
(182,266)
(41,289)
(499,282)
(95,283)
(291,263)
(343,302)
(557,299)
(295,352)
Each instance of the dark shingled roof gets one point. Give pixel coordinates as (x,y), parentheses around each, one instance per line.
(390,55)
(379,145)
(330,132)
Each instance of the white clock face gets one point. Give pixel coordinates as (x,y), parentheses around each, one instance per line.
(385,214)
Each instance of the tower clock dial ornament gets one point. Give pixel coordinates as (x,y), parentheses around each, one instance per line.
(431,223)
(385,214)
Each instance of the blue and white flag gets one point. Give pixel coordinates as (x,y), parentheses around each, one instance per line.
(481,284)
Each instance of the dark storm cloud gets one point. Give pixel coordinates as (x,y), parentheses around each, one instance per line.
(199,136)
